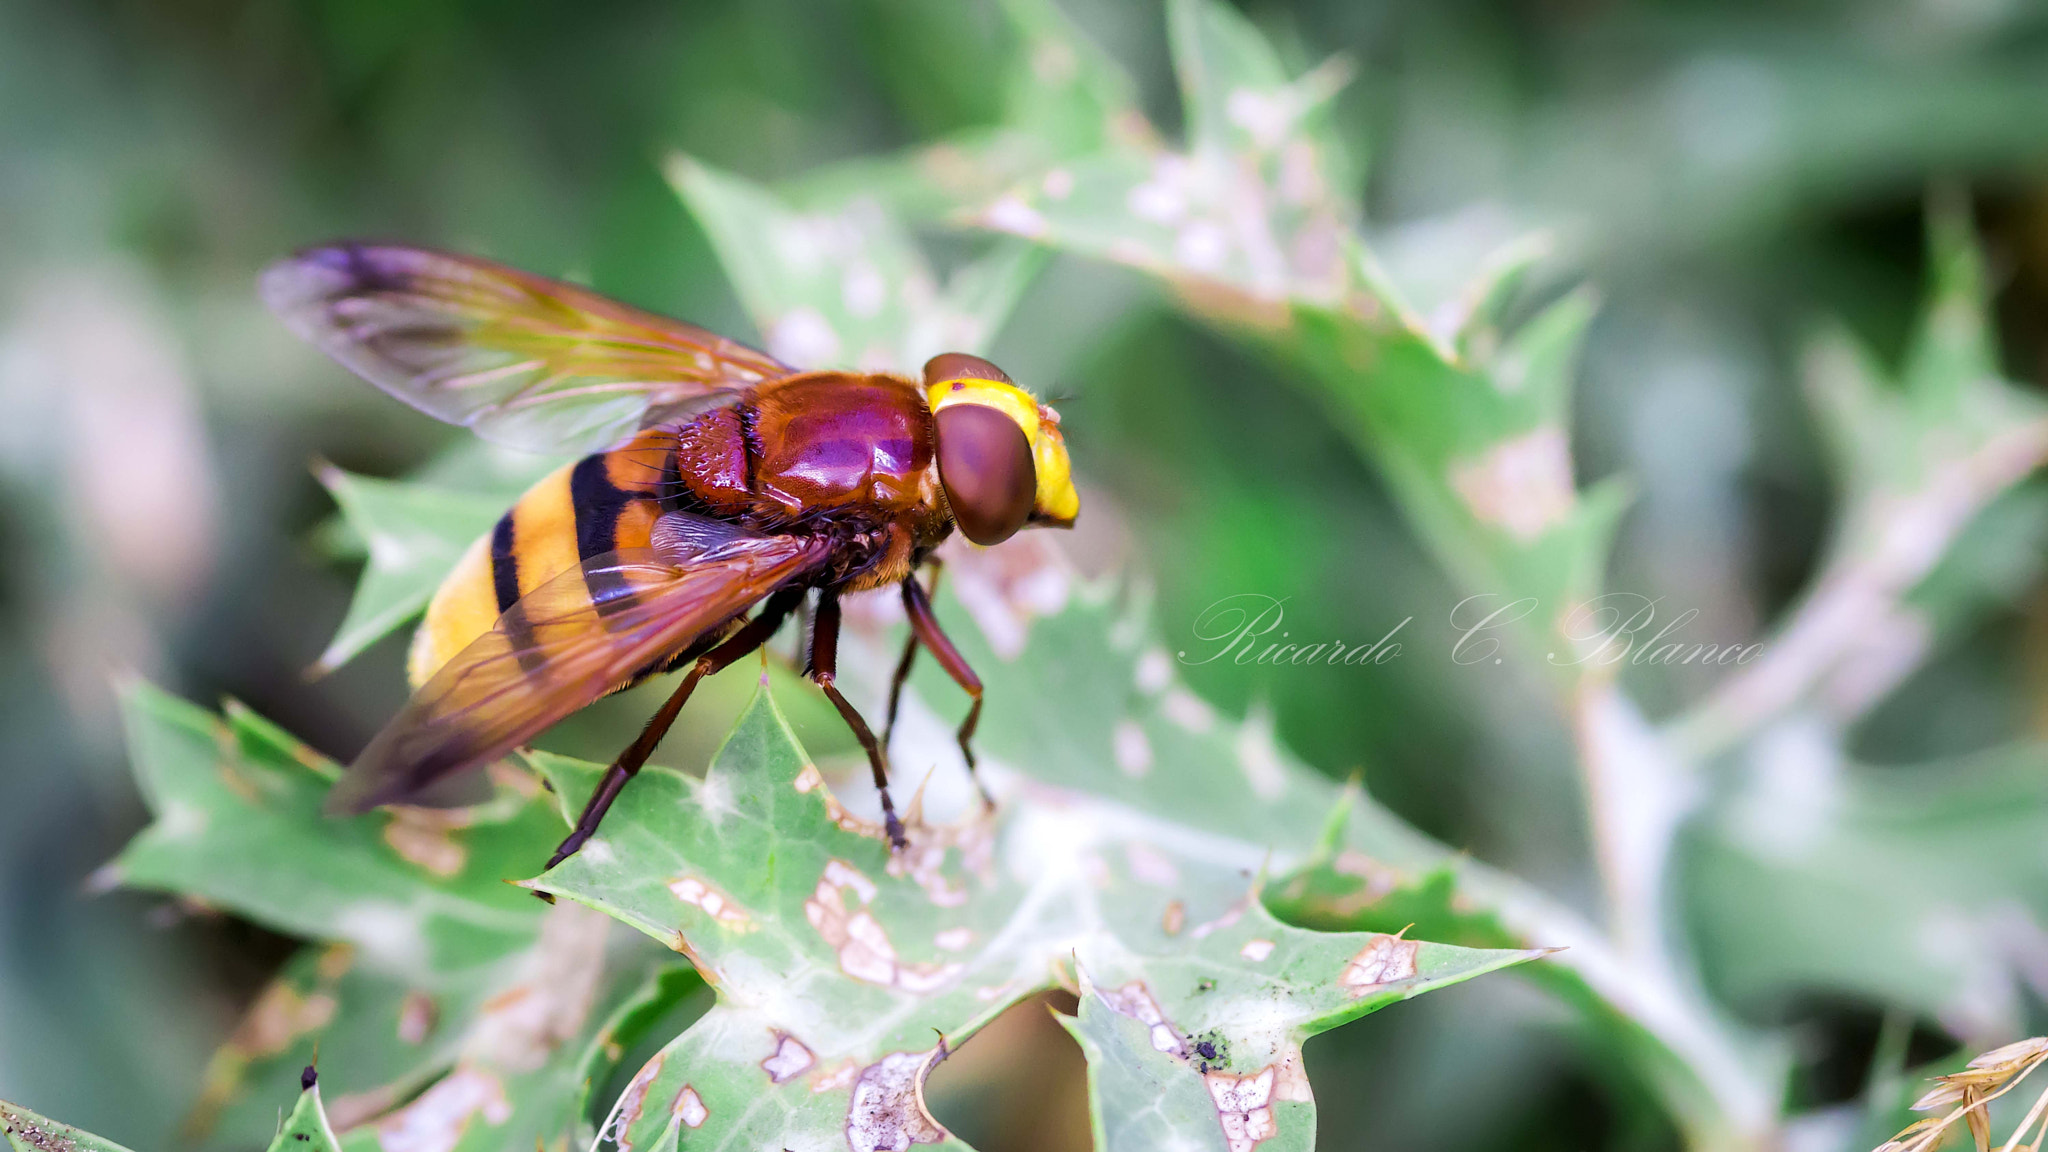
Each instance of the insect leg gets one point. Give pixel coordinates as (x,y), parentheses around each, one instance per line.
(824,665)
(924,625)
(909,655)
(750,636)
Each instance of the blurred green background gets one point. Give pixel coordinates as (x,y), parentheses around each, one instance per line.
(1725,173)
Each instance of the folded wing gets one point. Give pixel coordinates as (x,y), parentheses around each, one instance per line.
(563,645)
(519,359)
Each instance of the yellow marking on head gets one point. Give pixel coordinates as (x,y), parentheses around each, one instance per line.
(1057,502)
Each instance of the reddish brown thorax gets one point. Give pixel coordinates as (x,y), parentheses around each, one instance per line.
(809,445)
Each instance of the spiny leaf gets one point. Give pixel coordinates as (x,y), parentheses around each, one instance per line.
(1138,1095)
(1252,213)
(841,967)
(1921,456)
(1253,224)
(1895,883)
(238,824)
(846,287)
(412,534)
(28,1132)
(306,1129)
(444,1000)
(1063,97)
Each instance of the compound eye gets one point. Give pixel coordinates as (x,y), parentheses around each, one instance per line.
(985,467)
(961,366)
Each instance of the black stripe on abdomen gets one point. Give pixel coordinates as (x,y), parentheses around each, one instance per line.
(504,563)
(597,503)
(505,583)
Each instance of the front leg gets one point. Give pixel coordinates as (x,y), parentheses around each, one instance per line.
(896,682)
(924,628)
(748,637)
(824,664)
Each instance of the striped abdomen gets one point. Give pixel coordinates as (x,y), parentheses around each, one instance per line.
(602,503)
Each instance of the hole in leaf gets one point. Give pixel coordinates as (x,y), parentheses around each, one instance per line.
(1019,1084)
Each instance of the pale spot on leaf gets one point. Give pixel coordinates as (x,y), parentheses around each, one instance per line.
(789,1059)
(1259,755)
(689,1108)
(627,1111)
(1256,950)
(1151,866)
(1155,671)
(838,1076)
(1189,711)
(1012,214)
(804,337)
(954,939)
(388,932)
(1174,919)
(715,904)
(417,1015)
(862,945)
(887,1113)
(1383,960)
(1243,1104)
(427,837)
(1135,1000)
(1133,749)
(436,1120)
(1522,485)
(1230,916)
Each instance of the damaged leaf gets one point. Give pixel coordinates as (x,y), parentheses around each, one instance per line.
(845,286)
(411,532)
(28,1132)
(839,966)
(449,1008)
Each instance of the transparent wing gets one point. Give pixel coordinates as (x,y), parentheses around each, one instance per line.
(562,646)
(519,359)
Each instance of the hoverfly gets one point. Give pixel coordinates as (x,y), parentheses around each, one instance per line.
(722,480)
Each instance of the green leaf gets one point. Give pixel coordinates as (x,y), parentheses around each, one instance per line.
(412,535)
(1921,455)
(1063,97)
(846,287)
(236,802)
(1147,1087)
(306,1129)
(1912,886)
(28,1132)
(443,998)
(1254,212)
(1139,1096)
(841,968)
(1252,224)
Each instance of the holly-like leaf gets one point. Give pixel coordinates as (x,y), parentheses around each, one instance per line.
(1921,455)
(1252,213)
(411,535)
(447,1004)
(1907,885)
(306,1129)
(844,970)
(28,1132)
(845,287)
